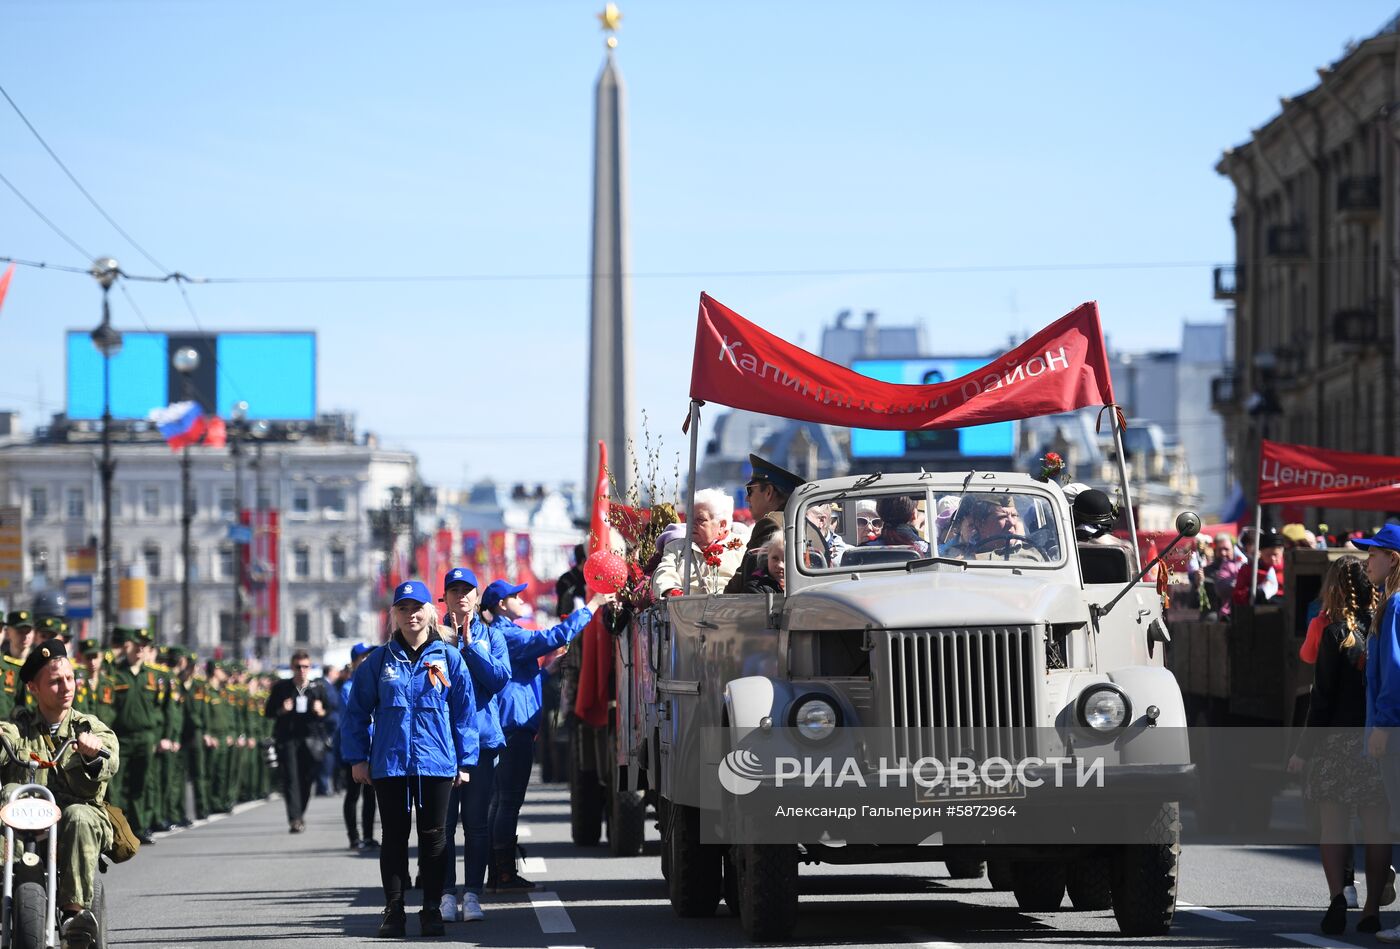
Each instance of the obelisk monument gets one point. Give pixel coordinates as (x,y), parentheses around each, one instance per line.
(610,343)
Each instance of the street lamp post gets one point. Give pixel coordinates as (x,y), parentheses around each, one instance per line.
(240,420)
(108,342)
(185,361)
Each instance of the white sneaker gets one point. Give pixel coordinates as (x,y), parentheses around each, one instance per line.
(471,908)
(449,908)
(1389,935)
(1350,893)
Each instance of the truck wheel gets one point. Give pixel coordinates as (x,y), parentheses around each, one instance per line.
(1145,876)
(767,890)
(585,799)
(1090,883)
(697,870)
(31,903)
(999,875)
(627,822)
(1039,887)
(731,883)
(965,868)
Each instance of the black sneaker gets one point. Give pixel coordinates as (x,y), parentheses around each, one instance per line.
(1335,921)
(371,843)
(430,922)
(356,843)
(395,924)
(80,929)
(146,839)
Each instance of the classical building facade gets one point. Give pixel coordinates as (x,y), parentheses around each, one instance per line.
(321,478)
(1313,285)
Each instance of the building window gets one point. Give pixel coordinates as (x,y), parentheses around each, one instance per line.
(227,565)
(39,559)
(301,500)
(227,502)
(226,630)
(150,501)
(151,554)
(192,565)
(301,632)
(264,499)
(301,561)
(38,503)
(337,563)
(330,498)
(75,504)
(338,626)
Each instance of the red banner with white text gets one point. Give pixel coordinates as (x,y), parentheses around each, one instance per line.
(737,363)
(1301,474)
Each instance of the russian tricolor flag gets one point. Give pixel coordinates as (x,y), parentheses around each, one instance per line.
(182,424)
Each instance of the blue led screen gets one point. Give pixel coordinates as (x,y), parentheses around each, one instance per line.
(977,441)
(274,372)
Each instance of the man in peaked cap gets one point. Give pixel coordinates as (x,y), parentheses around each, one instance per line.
(77,781)
(138,721)
(768,490)
(19,633)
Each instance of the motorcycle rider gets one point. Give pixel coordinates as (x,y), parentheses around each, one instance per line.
(78,780)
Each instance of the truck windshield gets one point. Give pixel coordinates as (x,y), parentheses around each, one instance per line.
(885,530)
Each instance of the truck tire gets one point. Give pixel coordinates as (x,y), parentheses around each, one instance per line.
(731,883)
(767,890)
(585,799)
(627,823)
(1145,876)
(965,868)
(999,875)
(696,870)
(1090,884)
(1039,887)
(31,903)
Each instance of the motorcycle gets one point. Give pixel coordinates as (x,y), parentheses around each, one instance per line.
(29,911)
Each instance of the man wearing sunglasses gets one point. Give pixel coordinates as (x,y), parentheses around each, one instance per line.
(767,492)
(298,706)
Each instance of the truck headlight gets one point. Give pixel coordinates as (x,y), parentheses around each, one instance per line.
(1104,708)
(815,718)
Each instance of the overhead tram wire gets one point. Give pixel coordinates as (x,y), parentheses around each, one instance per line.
(52,226)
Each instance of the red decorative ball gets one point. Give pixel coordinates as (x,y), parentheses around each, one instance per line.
(605,572)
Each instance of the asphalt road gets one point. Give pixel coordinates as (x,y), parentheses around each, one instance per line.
(244,881)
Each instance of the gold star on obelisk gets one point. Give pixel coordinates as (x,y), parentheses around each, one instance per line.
(611,18)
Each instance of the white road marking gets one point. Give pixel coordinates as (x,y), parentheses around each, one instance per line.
(550,911)
(522,831)
(1220,916)
(1322,942)
(533,865)
(940,945)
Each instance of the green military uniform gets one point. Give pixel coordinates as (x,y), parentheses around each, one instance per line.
(9,685)
(176,708)
(138,722)
(236,764)
(78,785)
(196,697)
(217,726)
(161,761)
(95,693)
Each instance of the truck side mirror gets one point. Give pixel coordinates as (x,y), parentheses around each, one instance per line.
(1188,524)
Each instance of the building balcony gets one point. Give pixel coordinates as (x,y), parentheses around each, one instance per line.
(1229,282)
(1224,392)
(1359,198)
(1356,328)
(1286,242)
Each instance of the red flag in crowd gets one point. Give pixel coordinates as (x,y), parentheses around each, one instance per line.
(599,537)
(595,685)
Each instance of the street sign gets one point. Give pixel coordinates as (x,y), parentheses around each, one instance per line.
(240,533)
(78,592)
(11,550)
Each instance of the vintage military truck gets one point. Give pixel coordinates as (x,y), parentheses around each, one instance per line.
(978,627)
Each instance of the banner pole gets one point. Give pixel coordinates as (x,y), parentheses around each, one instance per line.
(1123,483)
(694,422)
(1254,567)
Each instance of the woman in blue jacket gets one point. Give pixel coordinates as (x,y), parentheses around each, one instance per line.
(484,652)
(1383,673)
(520,702)
(417,692)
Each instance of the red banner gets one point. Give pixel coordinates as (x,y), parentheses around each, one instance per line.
(260,571)
(739,364)
(1300,474)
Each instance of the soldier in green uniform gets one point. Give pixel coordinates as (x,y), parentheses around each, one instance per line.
(138,722)
(19,634)
(77,781)
(195,690)
(217,739)
(161,764)
(177,659)
(95,683)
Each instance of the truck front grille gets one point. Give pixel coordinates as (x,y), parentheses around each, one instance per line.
(958,692)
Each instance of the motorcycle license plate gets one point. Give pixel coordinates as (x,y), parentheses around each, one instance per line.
(30,813)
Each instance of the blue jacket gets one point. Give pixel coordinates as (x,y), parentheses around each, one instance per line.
(521,698)
(420,728)
(488,660)
(1383,673)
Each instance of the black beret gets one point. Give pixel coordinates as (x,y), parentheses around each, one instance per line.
(40,656)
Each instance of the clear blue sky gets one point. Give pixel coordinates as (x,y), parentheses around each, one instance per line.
(271,138)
